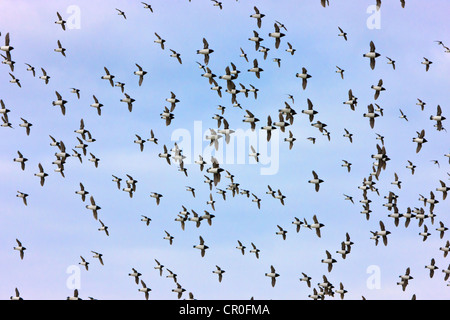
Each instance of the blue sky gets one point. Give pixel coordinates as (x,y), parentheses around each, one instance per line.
(56,228)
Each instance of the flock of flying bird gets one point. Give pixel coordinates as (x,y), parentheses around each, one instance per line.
(286,119)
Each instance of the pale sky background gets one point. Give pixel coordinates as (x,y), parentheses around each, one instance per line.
(56,228)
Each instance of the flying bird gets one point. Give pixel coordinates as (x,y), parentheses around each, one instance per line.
(168,237)
(273,275)
(108,76)
(378,88)
(371,115)
(281,25)
(243,55)
(383,233)
(432,267)
(121,13)
(93,207)
(159,40)
(264,50)
(277,35)
(256,69)
(84,263)
(135,274)
(329,260)
(219,272)
(241,247)
(147,6)
(23,196)
(342,33)
(340,71)
(82,192)
(391,62)
(98,256)
(291,49)
(217,4)
(41,174)
(255,250)
(281,232)
(15,80)
(258,16)
(16,296)
(140,73)
(206,51)
(201,246)
(21,159)
(31,68)
(316,181)
(290,139)
(372,55)
(20,248)
(145,289)
(129,101)
(402,115)
(438,118)
(420,140)
(304,76)
(97,105)
(324,3)
(60,49)
(103,227)
(61,21)
(427,63)
(176,55)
